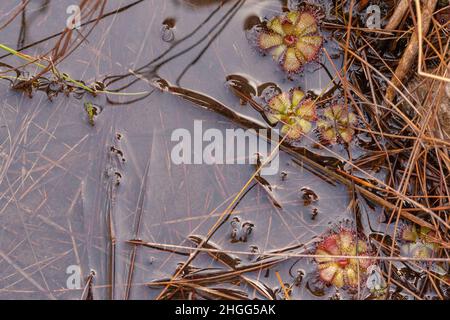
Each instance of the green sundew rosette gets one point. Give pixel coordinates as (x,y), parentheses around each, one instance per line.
(416,242)
(337,124)
(294,111)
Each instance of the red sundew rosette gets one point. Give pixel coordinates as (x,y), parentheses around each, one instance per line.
(293,39)
(342,272)
(294,111)
(337,124)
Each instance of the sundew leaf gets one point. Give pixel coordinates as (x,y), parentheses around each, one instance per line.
(336,124)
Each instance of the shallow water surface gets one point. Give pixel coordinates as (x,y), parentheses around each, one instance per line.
(76,194)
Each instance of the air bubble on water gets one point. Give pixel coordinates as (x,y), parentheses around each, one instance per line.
(269,92)
(118,176)
(314,213)
(299,277)
(167,30)
(240,231)
(252,35)
(309,196)
(167,35)
(118,153)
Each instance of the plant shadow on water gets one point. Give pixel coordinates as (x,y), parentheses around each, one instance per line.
(88,180)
